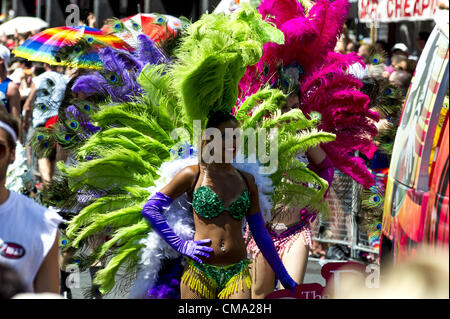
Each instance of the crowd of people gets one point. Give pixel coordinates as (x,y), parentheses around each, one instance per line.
(397,63)
(23,86)
(386,66)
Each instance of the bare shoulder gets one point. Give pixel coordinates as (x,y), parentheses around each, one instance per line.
(189,173)
(12,89)
(182,182)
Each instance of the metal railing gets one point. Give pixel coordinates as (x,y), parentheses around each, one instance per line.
(341,226)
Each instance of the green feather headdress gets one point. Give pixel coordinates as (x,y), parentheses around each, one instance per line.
(213,57)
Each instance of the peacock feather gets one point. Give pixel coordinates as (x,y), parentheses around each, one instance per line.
(372,202)
(43,141)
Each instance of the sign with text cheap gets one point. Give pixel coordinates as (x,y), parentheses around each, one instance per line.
(396,10)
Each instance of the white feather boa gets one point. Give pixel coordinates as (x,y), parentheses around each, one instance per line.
(179,218)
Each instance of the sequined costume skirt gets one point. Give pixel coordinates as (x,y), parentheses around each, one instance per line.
(284,241)
(211,281)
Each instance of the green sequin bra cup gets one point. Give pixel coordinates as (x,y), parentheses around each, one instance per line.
(207,204)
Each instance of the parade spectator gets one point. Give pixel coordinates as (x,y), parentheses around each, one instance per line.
(10,282)
(9,92)
(20,38)
(420,44)
(398,62)
(14,40)
(91,20)
(352,46)
(402,63)
(401,49)
(28,231)
(401,79)
(340,46)
(16,69)
(22,76)
(411,66)
(366,51)
(381,46)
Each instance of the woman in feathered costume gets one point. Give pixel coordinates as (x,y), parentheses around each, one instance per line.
(221,195)
(317,80)
(135,155)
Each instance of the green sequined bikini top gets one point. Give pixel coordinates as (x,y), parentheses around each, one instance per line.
(207,204)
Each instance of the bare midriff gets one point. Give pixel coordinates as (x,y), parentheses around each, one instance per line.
(226,238)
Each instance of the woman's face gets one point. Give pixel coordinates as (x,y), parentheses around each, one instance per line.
(402,65)
(7,155)
(363,52)
(229,133)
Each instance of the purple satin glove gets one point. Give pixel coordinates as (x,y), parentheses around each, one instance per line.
(326,171)
(153,212)
(267,248)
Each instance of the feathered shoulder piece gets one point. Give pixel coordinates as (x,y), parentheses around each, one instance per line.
(214,55)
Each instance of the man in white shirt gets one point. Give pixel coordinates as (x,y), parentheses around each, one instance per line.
(28,231)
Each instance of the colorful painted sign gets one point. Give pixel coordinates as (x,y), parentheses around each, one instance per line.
(416,201)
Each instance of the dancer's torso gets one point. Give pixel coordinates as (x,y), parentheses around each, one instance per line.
(224,229)
(285,219)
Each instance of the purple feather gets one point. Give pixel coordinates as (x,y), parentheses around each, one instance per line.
(83,119)
(168,283)
(117,80)
(147,52)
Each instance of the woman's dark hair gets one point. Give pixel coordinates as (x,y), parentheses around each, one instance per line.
(12,122)
(28,64)
(38,68)
(219,117)
(383,45)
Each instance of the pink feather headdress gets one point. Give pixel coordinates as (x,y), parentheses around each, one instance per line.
(323,82)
